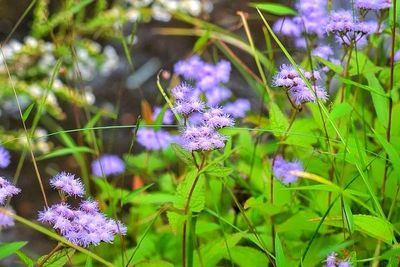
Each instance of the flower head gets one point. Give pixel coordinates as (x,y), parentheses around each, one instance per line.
(237,108)
(282,170)
(7,190)
(5,220)
(373,4)
(152,139)
(107,165)
(331,260)
(67,183)
(5,157)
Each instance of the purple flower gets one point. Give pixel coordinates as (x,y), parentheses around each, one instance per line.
(323,51)
(89,206)
(154,140)
(216,118)
(5,220)
(286,27)
(201,138)
(312,15)
(238,108)
(347,28)
(282,170)
(331,260)
(298,91)
(67,183)
(107,165)
(5,157)
(7,190)
(397,56)
(373,4)
(168,117)
(187,100)
(344,264)
(189,68)
(217,95)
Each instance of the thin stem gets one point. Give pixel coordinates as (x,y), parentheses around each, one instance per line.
(57,248)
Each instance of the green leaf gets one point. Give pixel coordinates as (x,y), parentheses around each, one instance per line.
(217,171)
(375,227)
(217,249)
(247,256)
(27,111)
(7,249)
(278,120)
(134,193)
(381,103)
(348,216)
(201,41)
(154,263)
(273,8)
(340,110)
(58,259)
(197,200)
(24,258)
(66,151)
(279,255)
(176,221)
(182,154)
(334,67)
(393,153)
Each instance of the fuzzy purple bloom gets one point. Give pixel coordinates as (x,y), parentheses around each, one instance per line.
(344,264)
(187,100)
(201,138)
(5,157)
(238,108)
(397,56)
(216,118)
(282,170)
(347,28)
(299,93)
(217,95)
(68,184)
(108,165)
(7,190)
(154,140)
(5,220)
(331,260)
(373,4)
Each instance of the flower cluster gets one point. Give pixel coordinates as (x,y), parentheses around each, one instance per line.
(84,225)
(332,261)
(67,183)
(373,4)
(107,165)
(312,14)
(200,134)
(297,89)
(282,170)
(5,157)
(154,140)
(7,190)
(347,28)
(208,79)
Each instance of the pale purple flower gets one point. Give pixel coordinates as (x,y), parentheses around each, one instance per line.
(312,14)
(397,56)
(302,94)
(107,165)
(67,183)
(286,27)
(5,220)
(344,264)
(189,68)
(168,117)
(187,100)
(154,140)
(373,4)
(282,170)
(323,51)
(347,28)
(201,138)
(5,157)
(217,95)
(89,206)
(7,190)
(216,118)
(238,108)
(331,260)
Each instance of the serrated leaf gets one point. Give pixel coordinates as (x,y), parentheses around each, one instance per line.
(8,249)
(58,259)
(278,121)
(274,8)
(197,200)
(217,171)
(176,221)
(182,154)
